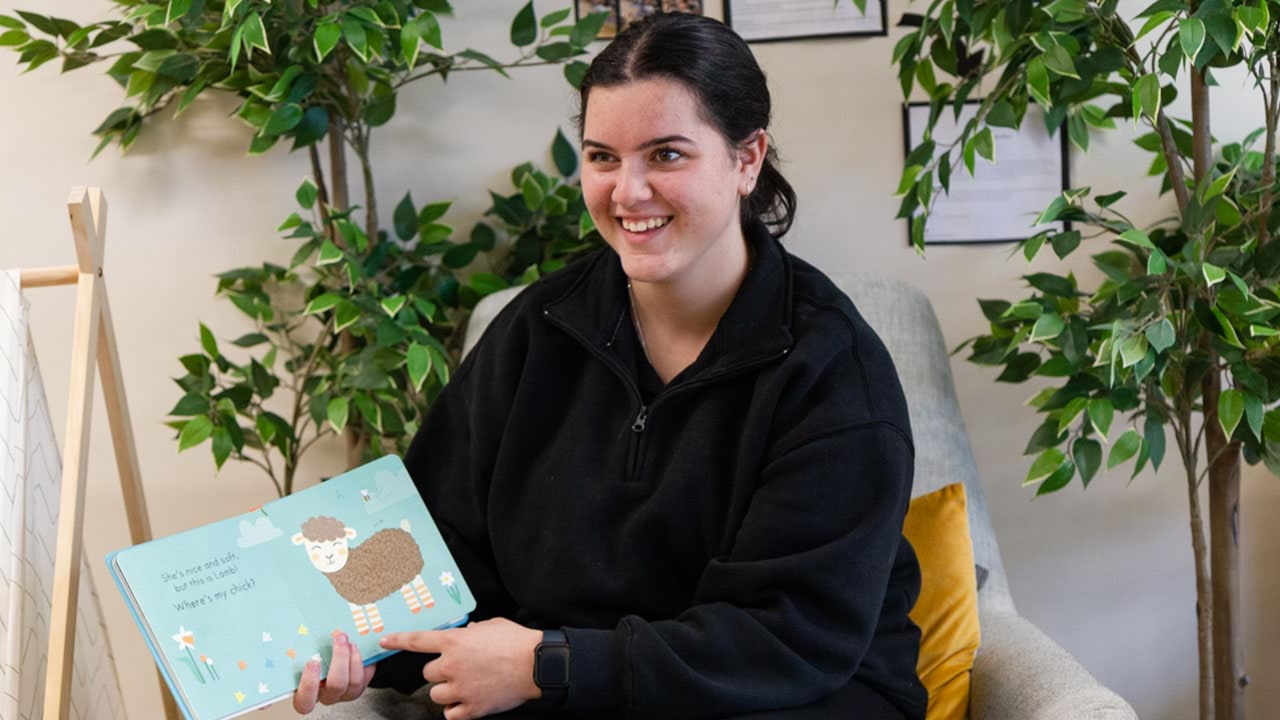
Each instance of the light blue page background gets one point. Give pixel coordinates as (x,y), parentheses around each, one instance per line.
(249,609)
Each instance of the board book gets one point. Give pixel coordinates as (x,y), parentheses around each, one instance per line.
(233,610)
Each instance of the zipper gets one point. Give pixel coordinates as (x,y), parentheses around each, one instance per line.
(641,421)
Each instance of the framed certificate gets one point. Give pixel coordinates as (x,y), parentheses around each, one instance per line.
(772,20)
(625,12)
(1002,199)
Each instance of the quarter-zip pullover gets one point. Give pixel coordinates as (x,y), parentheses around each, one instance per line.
(725,544)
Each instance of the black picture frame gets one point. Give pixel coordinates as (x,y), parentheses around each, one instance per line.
(1064,149)
(620,24)
(882,32)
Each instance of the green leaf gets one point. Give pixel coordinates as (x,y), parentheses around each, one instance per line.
(1153,432)
(354,33)
(196,431)
(1137,238)
(574,72)
(327,301)
(1038,81)
(255,34)
(1125,448)
(587,29)
(285,118)
(486,283)
(326,38)
(1161,335)
(1219,186)
(405,218)
(410,43)
(1230,410)
(1157,263)
(553,18)
(346,316)
(307,193)
(433,211)
(429,30)
(532,192)
(1088,458)
(1146,97)
(1212,274)
(1133,349)
(418,360)
(249,340)
(190,404)
(1047,327)
(1058,60)
(207,342)
(1100,414)
(392,305)
(524,27)
(485,59)
(1253,413)
(1051,212)
(329,253)
(1049,461)
(338,411)
(1191,36)
(563,154)
(985,144)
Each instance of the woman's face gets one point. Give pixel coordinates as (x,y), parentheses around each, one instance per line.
(661,184)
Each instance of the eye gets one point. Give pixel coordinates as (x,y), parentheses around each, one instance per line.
(668,155)
(599,156)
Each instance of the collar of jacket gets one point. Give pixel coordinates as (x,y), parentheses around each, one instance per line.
(756,326)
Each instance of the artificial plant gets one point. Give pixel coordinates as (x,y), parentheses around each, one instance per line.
(1181,334)
(362,327)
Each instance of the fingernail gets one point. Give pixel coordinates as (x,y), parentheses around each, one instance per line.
(313,665)
(340,639)
(383,641)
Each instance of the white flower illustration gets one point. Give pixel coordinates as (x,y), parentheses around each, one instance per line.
(446,578)
(185,638)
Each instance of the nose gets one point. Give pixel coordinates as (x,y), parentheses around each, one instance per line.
(631,186)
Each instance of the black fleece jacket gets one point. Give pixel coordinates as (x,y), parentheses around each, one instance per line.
(732,545)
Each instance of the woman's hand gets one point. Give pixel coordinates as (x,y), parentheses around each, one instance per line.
(348,677)
(483,668)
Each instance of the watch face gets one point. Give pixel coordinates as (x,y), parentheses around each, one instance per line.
(552,666)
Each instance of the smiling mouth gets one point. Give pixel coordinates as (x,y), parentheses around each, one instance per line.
(641,226)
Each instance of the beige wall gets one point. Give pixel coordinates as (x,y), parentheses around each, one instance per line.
(1107,573)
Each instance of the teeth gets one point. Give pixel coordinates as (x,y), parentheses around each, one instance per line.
(642,225)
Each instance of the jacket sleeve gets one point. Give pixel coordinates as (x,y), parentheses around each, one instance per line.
(787,615)
(451,463)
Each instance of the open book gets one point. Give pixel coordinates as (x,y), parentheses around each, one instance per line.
(233,610)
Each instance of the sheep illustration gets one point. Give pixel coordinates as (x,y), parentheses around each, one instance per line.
(369,572)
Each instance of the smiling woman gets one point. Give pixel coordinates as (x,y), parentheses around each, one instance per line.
(675,472)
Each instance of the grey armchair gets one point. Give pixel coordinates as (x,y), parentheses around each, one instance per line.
(1019,674)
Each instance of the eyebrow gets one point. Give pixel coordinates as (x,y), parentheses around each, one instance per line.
(647,144)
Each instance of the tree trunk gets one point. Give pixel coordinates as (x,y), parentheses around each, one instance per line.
(1224,539)
(341,201)
(1204,595)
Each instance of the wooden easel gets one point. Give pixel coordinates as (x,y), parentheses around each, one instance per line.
(94,336)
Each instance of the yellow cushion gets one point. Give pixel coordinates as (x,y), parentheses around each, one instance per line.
(937,526)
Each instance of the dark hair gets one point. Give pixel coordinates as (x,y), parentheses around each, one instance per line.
(716,65)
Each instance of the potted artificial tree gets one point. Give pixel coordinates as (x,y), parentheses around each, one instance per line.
(1181,334)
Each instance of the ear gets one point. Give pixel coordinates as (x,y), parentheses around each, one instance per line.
(351,533)
(751,154)
(298,539)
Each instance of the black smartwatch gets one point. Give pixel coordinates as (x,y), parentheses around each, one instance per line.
(551,666)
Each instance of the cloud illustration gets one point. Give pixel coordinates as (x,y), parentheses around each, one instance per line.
(257,532)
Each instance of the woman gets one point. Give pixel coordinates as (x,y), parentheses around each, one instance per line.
(686,456)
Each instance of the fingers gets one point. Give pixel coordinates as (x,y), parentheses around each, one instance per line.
(423,641)
(445,693)
(335,686)
(433,671)
(357,680)
(304,700)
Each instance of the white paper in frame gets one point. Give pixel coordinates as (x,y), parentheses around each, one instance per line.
(1001,200)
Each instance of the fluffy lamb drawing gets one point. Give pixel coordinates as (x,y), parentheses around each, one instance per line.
(366,573)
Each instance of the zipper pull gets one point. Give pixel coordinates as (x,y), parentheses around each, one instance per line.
(638,425)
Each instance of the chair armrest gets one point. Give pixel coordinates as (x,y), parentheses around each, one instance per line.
(1021,674)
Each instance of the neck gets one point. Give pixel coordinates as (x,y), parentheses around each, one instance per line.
(689,307)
